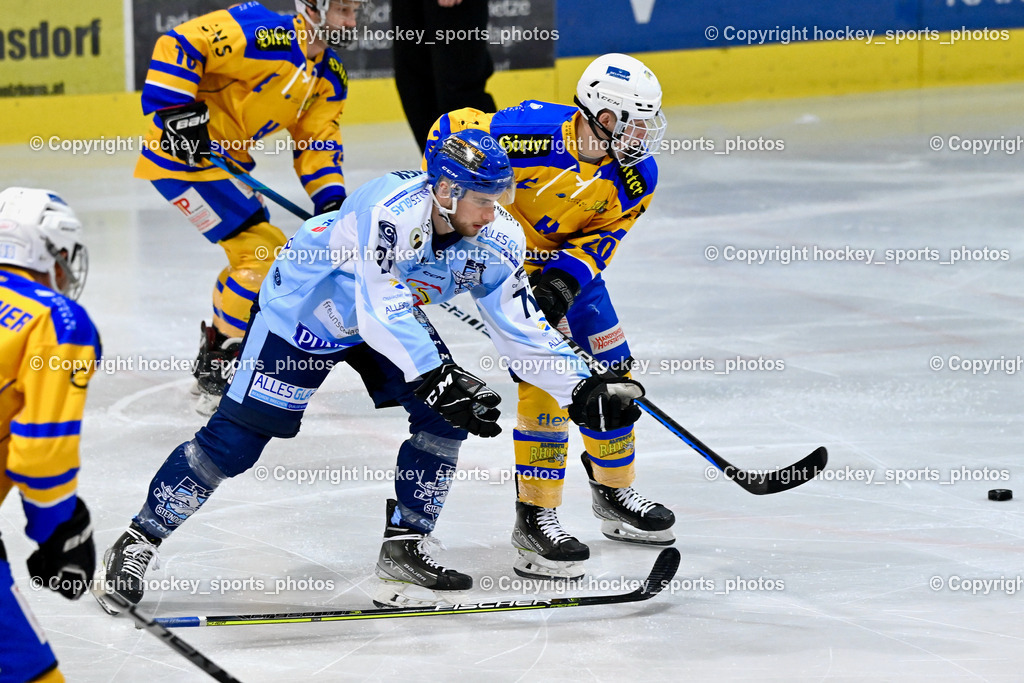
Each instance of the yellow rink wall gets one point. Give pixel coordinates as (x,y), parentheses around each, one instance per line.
(688,77)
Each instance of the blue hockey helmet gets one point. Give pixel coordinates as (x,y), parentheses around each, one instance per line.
(472,160)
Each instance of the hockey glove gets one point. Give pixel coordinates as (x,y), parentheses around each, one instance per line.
(461,399)
(604,405)
(328,206)
(554,291)
(185,132)
(65,562)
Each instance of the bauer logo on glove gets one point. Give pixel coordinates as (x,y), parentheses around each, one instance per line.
(186,135)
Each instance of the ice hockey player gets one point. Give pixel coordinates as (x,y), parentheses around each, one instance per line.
(347,289)
(221,83)
(48,353)
(584,174)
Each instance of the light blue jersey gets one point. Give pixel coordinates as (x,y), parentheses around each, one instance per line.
(357,274)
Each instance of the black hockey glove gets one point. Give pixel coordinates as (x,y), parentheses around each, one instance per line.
(604,405)
(554,290)
(65,562)
(462,399)
(327,206)
(185,132)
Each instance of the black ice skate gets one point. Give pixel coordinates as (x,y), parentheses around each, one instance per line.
(546,550)
(409,576)
(628,516)
(124,568)
(214,367)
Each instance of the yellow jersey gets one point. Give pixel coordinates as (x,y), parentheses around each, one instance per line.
(249,65)
(574,214)
(48,353)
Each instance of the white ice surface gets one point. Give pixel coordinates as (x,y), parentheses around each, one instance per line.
(854,560)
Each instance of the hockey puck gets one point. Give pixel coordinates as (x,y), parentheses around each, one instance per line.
(1000,494)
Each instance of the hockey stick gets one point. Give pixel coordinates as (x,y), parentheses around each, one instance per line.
(756,482)
(174,642)
(225,164)
(661,574)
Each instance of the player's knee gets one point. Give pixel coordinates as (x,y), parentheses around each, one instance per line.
(226,447)
(443,447)
(431,424)
(538,412)
(254,248)
(249,279)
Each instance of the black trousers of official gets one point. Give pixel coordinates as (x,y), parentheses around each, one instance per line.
(436,79)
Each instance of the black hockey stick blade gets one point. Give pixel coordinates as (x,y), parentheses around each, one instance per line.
(756,482)
(782,479)
(174,642)
(664,569)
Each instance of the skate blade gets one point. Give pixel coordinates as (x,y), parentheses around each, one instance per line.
(207,404)
(194,389)
(530,565)
(626,533)
(390,593)
(98,589)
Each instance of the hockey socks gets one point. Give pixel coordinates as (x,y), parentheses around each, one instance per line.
(180,487)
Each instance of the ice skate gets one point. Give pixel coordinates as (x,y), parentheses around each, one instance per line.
(214,367)
(124,567)
(409,576)
(628,516)
(546,550)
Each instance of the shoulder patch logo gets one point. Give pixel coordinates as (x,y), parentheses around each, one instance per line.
(273,40)
(524,146)
(338,68)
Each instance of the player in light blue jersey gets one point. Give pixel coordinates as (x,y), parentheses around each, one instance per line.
(347,288)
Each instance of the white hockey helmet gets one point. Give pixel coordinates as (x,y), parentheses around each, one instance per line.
(335,36)
(39,231)
(628,89)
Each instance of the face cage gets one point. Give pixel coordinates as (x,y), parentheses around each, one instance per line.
(76,269)
(635,140)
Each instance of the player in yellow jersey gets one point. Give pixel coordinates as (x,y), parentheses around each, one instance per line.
(219,84)
(584,175)
(48,352)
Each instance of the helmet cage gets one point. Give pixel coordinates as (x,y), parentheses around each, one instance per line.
(633,139)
